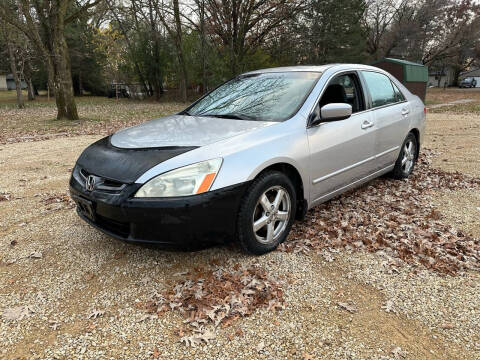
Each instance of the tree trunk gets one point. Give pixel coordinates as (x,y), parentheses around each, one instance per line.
(27,73)
(180,55)
(456,76)
(31,91)
(62,79)
(80,85)
(203,46)
(18,83)
(157,71)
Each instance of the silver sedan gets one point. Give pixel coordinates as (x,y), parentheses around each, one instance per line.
(247,159)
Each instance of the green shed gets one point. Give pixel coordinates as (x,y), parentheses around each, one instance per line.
(412,75)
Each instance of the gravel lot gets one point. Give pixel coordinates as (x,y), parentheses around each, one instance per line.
(68,291)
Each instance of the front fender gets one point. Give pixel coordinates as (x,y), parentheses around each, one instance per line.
(245,165)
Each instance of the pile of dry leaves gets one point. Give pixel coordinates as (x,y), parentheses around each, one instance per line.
(395,216)
(56,201)
(219,297)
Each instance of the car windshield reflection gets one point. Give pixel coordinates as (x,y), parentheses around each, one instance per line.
(263,97)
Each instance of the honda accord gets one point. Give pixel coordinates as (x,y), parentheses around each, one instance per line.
(247,159)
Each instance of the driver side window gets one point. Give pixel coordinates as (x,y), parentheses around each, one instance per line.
(344,88)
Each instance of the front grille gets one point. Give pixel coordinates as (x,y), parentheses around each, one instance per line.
(101,183)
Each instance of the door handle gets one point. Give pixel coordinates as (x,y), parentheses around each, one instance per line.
(367,124)
(405,111)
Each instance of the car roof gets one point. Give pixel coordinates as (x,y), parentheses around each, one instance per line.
(313,68)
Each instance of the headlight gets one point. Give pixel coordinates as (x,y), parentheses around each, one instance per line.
(188,180)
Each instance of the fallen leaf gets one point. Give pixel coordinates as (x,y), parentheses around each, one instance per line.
(398,353)
(89,276)
(349,307)
(183,273)
(260,346)
(388,307)
(95,314)
(54,325)
(198,338)
(36,255)
(447,326)
(17,313)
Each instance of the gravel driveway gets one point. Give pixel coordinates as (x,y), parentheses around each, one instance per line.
(68,291)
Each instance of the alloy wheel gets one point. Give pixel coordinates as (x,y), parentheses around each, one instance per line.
(408,156)
(271,214)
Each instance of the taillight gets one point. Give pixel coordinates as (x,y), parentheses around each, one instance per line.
(424,110)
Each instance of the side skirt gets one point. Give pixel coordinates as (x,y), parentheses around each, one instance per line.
(350,186)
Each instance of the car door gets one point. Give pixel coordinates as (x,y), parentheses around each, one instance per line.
(341,152)
(391,115)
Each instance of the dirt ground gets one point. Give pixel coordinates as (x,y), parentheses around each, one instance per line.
(68,291)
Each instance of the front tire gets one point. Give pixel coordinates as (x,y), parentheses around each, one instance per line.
(266,213)
(406,159)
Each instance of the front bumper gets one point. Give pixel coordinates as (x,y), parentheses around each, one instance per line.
(190,221)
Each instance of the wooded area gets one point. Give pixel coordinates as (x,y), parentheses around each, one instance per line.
(83,46)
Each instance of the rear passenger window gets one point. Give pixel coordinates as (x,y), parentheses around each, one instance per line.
(380,88)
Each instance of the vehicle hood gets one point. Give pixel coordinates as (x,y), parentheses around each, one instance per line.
(182,130)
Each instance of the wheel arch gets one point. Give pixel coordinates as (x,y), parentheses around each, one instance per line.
(416,133)
(293,174)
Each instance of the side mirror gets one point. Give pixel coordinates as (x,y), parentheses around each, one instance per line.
(336,111)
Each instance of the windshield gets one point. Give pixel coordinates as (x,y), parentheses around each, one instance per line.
(264,97)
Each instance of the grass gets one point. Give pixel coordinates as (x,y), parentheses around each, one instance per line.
(8,99)
(432,102)
(98,115)
(101,115)
(469,108)
(441,96)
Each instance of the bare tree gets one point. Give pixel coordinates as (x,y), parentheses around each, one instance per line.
(116,14)
(455,25)
(197,21)
(44,22)
(243,25)
(175,31)
(13,60)
(425,30)
(379,20)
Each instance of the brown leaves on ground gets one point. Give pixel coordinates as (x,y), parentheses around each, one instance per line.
(397,217)
(57,201)
(100,116)
(218,298)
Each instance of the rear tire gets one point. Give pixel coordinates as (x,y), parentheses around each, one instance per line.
(266,213)
(406,159)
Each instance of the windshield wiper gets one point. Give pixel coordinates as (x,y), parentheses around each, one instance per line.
(230,116)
